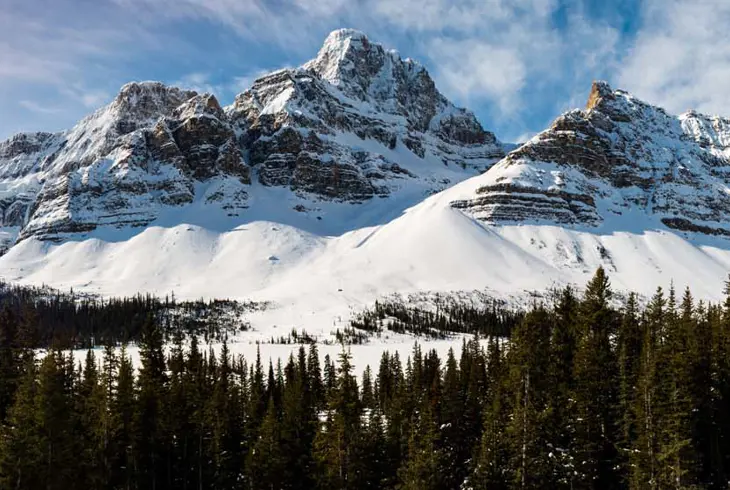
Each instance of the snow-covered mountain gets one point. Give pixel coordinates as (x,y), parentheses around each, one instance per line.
(354,124)
(313,191)
(603,164)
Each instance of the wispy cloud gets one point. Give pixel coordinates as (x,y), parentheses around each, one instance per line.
(198,81)
(681,57)
(517,62)
(39,108)
(244,82)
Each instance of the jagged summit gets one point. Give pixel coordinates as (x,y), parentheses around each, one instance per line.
(341,47)
(368,73)
(600,90)
(150,99)
(350,59)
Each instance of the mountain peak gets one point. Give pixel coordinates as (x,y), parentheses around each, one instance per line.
(147,99)
(600,91)
(342,51)
(344,34)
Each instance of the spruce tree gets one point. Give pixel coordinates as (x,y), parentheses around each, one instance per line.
(560,431)
(596,381)
(676,452)
(528,383)
(265,462)
(21,443)
(422,469)
(10,361)
(338,444)
(630,340)
(150,443)
(491,466)
(647,403)
(59,467)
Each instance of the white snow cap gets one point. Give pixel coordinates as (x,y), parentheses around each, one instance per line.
(333,54)
(342,38)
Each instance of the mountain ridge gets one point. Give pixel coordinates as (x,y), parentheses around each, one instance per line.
(306,129)
(619,153)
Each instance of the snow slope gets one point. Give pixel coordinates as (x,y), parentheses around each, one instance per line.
(317,281)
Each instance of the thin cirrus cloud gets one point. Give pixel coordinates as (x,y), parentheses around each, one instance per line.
(681,57)
(516,63)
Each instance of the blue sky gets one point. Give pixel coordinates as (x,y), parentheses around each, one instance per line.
(516,63)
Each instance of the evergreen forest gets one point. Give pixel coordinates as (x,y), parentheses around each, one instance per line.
(579,392)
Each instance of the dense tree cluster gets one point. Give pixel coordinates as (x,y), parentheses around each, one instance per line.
(49,317)
(440,322)
(583,394)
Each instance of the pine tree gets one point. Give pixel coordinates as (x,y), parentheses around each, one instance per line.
(265,462)
(702,391)
(376,473)
(453,440)
(422,469)
(527,382)
(330,376)
(630,340)
(314,372)
(298,427)
(108,426)
(338,444)
(10,362)
(92,414)
(676,452)
(196,386)
(491,469)
(368,397)
(596,382)
(560,431)
(149,438)
(721,405)
(643,457)
(21,448)
(224,426)
(179,410)
(123,406)
(59,444)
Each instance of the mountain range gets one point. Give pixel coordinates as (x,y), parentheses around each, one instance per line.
(326,186)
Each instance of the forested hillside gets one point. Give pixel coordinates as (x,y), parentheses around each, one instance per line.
(582,394)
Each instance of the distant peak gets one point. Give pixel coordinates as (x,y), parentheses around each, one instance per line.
(600,91)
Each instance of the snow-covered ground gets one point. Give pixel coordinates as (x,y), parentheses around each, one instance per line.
(316,281)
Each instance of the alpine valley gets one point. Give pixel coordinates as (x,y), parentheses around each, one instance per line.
(325,187)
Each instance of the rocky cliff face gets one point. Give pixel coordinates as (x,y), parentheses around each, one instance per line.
(332,127)
(355,123)
(120,165)
(616,156)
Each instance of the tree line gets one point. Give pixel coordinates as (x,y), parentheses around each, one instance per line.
(48,317)
(582,395)
(446,319)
